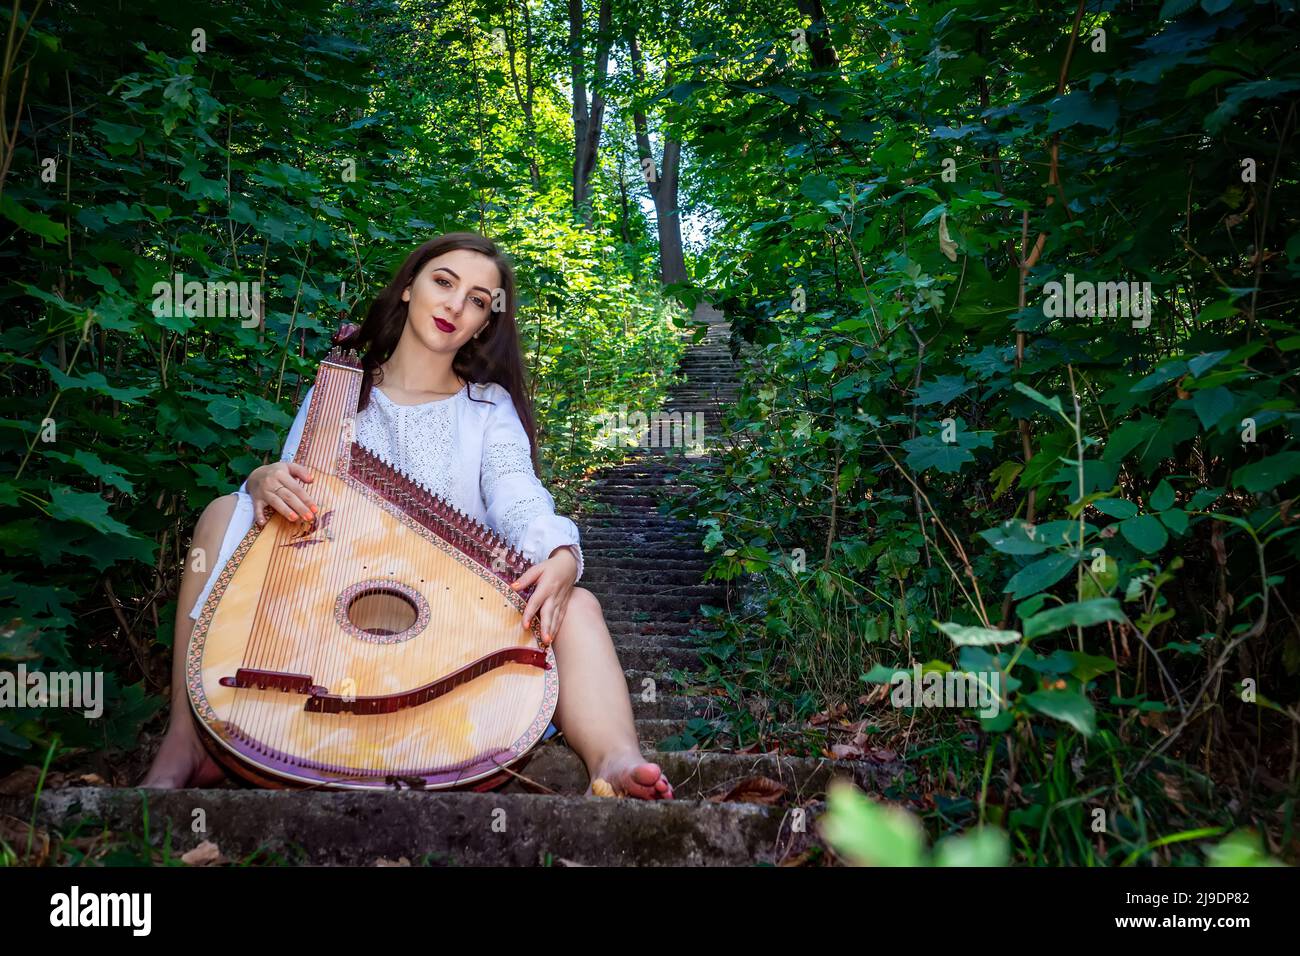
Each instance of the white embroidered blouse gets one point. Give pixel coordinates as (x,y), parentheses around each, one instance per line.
(471,451)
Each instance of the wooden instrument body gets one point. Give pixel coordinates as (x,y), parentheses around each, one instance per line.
(362,614)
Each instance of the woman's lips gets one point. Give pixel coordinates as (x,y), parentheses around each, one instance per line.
(443,325)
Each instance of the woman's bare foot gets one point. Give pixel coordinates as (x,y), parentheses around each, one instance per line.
(182,762)
(630,775)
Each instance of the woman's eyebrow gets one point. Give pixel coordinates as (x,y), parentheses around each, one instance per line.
(445,269)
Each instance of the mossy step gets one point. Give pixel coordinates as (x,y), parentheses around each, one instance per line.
(697,775)
(438,828)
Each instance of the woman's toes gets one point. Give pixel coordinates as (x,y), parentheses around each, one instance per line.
(647,774)
(644,781)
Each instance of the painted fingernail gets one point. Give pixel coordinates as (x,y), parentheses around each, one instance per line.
(293,516)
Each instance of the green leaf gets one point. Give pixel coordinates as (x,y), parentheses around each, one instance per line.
(819,188)
(1079,108)
(1203,499)
(94,381)
(69,505)
(119,134)
(1269,473)
(929,451)
(1206,361)
(1053,403)
(1145,533)
(880,674)
(1039,575)
(1099,583)
(870,833)
(965,635)
(982,846)
(1175,520)
(1004,474)
(91,463)
(1164,374)
(1240,848)
(1233,98)
(1215,311)
(1129,436)
(1088,666)
(1079,614)
(1012,537)
(1067,706)
(36,223)
(224,411)
(942,390)
(1116,507)
(1211,404)
(1162,497)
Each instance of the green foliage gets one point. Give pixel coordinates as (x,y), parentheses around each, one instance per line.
(868,833)
(948,402)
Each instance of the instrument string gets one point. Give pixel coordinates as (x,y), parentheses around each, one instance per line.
(254,648)
(277,583)
(329,651)
(310,643)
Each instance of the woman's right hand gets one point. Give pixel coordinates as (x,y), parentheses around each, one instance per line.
(279,486)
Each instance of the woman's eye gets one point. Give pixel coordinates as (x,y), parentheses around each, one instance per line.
(480,303)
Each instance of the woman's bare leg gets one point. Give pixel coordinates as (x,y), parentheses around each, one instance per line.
(181,760)
(594,709)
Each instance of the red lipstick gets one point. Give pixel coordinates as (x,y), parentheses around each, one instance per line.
(443,325)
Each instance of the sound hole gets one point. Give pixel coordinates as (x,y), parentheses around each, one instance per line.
(382,611)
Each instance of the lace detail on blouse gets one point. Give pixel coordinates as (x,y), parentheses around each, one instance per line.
(500,461)
(515,520)
(419,440)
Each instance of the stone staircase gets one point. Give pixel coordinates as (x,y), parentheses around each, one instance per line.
(646,570)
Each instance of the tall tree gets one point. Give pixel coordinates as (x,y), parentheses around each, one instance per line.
(661,179)
(587,118)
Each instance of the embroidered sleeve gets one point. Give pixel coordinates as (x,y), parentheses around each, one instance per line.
(519,508)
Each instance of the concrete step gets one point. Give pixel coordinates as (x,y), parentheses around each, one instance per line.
(673,706)
(653,659)
(429,828)
(698,775)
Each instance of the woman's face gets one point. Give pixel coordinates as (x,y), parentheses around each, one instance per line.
(450,299)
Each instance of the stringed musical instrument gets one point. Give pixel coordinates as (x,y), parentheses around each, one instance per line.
(378,644)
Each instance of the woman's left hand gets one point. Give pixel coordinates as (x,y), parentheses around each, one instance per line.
(554,579)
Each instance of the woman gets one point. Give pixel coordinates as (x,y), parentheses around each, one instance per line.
(443,399)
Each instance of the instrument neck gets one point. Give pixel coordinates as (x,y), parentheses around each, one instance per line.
(330,429)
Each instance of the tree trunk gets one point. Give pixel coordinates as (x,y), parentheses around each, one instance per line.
(587,123)
(662,182)
(819,37)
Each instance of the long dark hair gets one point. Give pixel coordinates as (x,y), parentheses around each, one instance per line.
(494,356)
